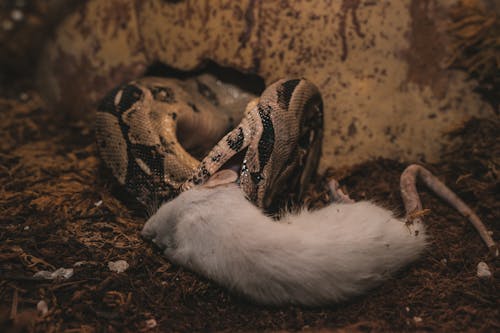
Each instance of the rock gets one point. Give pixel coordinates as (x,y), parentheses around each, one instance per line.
(483,271)
(118,266)
(151,323)
(42,308)
(378,64)
(60,273)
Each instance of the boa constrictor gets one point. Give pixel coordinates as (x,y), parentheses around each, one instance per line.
(151,132)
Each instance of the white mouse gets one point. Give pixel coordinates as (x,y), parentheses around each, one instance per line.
(309,258)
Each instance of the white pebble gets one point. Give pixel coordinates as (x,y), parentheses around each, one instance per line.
(417,319)
(79,263)
(42,307)
(483,271)
(98,203)
(16,15)
(60,273)
(118,266)
(151,323)
(26,228)
(24,97)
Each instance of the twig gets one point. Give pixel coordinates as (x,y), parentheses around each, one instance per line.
(15,301)
(66,284)
(19,278)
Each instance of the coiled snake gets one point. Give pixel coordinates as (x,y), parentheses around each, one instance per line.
(151,131)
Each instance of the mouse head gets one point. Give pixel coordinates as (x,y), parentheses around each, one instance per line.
(161,227)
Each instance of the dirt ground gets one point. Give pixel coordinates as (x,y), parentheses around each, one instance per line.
(59,208)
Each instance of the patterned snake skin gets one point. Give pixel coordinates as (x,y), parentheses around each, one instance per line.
(151,132)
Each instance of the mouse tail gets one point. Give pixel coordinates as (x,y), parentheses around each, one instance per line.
(413,205)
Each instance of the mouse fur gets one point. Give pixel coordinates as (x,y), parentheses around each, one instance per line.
(309,258)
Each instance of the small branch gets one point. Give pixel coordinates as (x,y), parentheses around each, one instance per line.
(15,301)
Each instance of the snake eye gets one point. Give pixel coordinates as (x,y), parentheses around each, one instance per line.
(163,94)
(256,177)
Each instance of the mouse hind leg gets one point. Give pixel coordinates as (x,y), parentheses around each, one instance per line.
(413,205)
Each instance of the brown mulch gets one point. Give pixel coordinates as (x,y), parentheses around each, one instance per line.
(58,208)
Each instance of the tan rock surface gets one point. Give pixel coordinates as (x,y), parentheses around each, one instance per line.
(377,63)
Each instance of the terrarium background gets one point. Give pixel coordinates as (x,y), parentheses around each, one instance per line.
(50,177)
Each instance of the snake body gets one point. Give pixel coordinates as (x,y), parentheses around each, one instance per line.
(152,132)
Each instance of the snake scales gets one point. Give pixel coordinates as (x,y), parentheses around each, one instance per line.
(151,133)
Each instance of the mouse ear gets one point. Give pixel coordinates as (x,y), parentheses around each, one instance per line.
(221,177)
